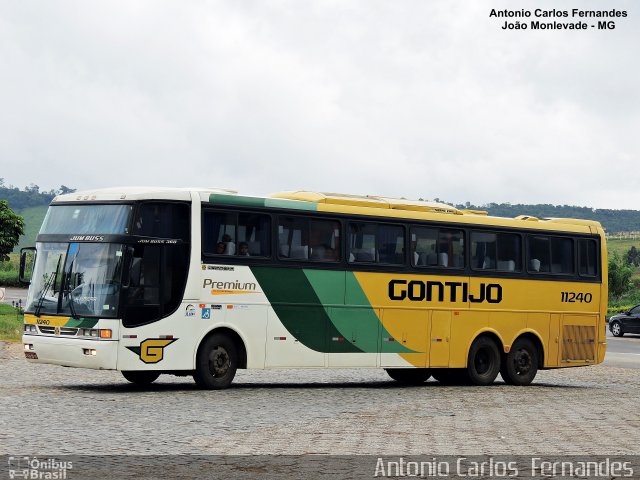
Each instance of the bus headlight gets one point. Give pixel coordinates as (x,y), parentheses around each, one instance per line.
(30,328)
(95,332)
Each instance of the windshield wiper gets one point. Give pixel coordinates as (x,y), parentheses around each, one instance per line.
(66,290)
(50,282)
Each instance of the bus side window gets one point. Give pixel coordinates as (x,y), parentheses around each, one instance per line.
(539,254)
(587,258)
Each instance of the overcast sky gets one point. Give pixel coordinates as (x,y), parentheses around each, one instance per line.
(405,98)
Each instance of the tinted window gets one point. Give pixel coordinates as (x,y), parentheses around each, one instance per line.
(587,261)
(238,234)
(561,255)
(496,251)
(373,243)
(163,220)
(305,239)
(157,274)
(551,255)
(432,247)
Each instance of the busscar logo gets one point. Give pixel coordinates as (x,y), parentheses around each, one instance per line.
(151,350)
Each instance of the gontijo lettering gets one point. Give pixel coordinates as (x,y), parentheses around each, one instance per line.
(434,291)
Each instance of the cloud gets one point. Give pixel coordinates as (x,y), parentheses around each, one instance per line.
(412,98)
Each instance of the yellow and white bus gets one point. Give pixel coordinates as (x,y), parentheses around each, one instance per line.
(203,282)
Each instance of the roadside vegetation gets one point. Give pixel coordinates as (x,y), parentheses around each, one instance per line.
(624,274)
(11,320)
(9,271)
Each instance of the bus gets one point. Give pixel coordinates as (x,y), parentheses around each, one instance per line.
(202,282)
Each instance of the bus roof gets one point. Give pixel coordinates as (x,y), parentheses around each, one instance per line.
(401,208)
(139,193)
(370,205)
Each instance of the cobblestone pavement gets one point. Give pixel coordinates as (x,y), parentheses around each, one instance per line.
(56,410)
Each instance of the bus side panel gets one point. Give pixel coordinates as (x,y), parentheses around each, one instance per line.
(250,322)
(406,328)
(359,327)
(547,326)
(508,325)
(283,347)
(465,326)
(440,338)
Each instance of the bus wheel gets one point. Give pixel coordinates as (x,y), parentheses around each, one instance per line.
(216,362)
(483,364)
(521,363)
(141,377)
(409,376)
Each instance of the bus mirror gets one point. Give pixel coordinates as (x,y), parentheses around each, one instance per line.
(27,257)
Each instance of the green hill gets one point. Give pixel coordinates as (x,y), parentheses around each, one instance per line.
(33,217)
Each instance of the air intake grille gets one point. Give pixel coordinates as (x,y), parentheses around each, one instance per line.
(63,331)
(578,343)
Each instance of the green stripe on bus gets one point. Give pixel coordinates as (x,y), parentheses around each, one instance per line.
(368,320)
(82,322)
(300,310)
(239,200)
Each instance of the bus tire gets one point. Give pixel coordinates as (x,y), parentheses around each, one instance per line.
(409,376)
(483,363)
(520,365)
(141,377)
(216,362)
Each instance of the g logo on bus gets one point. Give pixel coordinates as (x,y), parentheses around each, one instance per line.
(151,350)
(56,331)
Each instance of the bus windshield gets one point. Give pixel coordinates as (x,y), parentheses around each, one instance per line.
(76,279)
(87,219)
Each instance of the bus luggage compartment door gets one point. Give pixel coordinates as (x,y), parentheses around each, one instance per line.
(405,337)
(439,339)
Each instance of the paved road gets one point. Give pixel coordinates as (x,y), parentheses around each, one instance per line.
(13,295)
(61,410)
(623,352)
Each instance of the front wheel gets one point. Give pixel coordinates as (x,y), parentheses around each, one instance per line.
(483,363)
(521,363)
(216,362)
(141,377)
(409,376)
(616,329)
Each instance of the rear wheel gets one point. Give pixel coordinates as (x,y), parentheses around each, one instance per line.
(409,376)
(521,363)
(616,329)
(141,377)
(483,363)
(216,362)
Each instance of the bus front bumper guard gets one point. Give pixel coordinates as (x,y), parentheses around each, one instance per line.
(81,353)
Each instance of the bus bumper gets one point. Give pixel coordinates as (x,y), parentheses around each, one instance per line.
(98,354)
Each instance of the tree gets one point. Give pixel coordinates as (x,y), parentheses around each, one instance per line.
(64,189)
(632,257)
(620,274)
(11,227)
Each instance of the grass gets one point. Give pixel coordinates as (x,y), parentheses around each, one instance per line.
(621,246)
(10,323)
(9,271)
